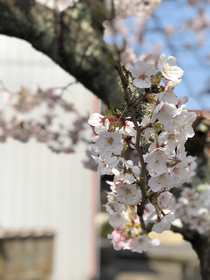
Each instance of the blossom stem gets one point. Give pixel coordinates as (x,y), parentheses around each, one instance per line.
(146,126)
(140,207)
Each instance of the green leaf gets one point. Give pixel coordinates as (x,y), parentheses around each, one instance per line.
(157,126)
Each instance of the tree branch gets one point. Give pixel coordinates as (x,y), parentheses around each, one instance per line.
(141,206)
(78,47)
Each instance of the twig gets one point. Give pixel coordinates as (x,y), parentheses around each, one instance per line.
(140,207)
(3,87)
(63,89)
(113,13)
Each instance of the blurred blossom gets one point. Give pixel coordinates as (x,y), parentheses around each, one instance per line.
(62,4)
(45,127)
(128,56)
(90,163)
(169,29)
(128,8)
(116,25)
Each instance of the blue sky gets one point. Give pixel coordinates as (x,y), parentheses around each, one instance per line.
(192,61)
(196,67)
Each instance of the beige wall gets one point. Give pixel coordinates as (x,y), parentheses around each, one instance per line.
(39,188)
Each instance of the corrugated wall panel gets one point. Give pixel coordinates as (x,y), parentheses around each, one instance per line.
(39,188)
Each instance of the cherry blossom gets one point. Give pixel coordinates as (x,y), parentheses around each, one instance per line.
(133,207)
(103,168)
(128,128)
(126,193)
(142,73)
(117,220)
(143,243)
(168,67)
(164,199)
(193,209)
(160,182)
(118,240)
(99,122)
(168,96)
(164,223)
(17,119)
(164,112)
(108,143)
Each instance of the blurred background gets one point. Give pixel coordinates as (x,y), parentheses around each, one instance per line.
(51,223)
(48,201)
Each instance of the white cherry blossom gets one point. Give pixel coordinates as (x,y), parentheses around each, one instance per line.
(123,175)
(108,143)
(191,168)
(118,241)
(186,128)
(143,243)
(182,100)
(168,96)
(164,112)
(117,220)
(149,211)
(168,67)
(113,204)
(172,139)
(103,168)
(156,161)
(113,161)
(189,193)
(126,193)
(100,122)
(128,128)
(164,199)
(142,73)
(164,223)
(193,209)
(148,130)
(171,84)
(160,182)
(179,174)
(204,198)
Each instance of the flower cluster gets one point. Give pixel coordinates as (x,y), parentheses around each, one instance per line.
(45,128)
(135,208)
(116,14)
(193,208)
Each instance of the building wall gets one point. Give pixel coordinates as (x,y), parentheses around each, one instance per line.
(39,188)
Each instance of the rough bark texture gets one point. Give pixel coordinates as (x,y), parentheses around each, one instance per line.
(201,244)
(73,39)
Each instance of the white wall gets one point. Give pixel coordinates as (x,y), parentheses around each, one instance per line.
(39,188)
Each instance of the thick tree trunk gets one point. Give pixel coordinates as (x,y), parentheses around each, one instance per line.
(201,244)
(73,39)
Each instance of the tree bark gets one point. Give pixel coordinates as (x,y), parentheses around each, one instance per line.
(73,39)
(201,244)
